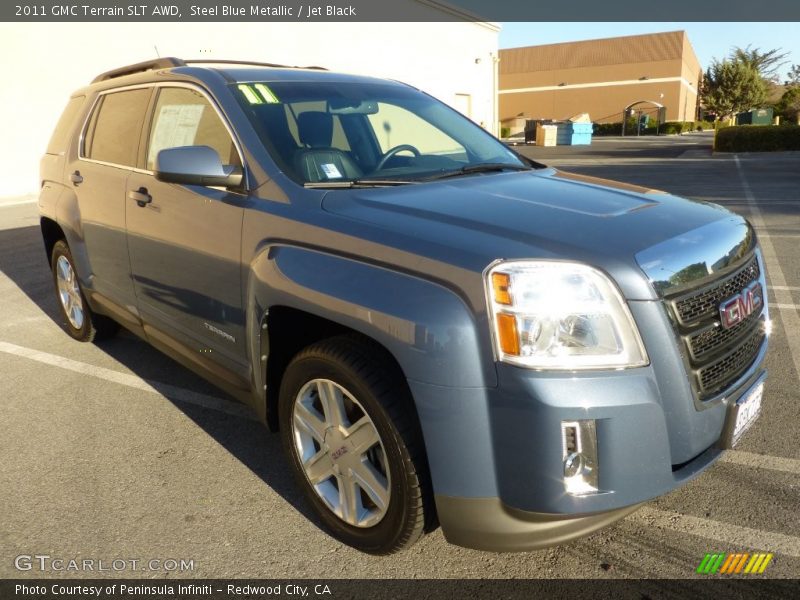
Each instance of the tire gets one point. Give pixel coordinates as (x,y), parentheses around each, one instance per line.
(387,492)
(78,320)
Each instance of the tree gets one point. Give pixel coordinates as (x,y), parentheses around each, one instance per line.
(766,63)
(794,76)
(731,87)
(789,105)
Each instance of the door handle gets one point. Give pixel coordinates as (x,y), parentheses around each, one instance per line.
(76,178)
(141,196)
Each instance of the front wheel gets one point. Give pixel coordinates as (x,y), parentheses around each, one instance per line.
(78,319)
(354,444)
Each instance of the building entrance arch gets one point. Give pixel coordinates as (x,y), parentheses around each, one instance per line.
(660,110)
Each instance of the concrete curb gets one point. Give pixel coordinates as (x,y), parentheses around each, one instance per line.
(760,155)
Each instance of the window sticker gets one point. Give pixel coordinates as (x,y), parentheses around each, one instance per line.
(176,125)
(266,93)
(330,170)
(250,94)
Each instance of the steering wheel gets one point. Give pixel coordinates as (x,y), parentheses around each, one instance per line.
(392,151)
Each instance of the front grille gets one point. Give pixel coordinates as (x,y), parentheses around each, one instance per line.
(724,371)
(706,302)
(717,357)
(710,339)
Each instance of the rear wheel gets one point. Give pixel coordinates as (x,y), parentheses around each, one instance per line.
(355,445)
(78,319)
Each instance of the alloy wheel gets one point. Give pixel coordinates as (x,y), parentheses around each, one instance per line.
(69,293)
(341,453)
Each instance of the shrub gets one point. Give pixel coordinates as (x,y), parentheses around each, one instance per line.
(608,128)
(757,138)
(505,132)
(675,127)
(703,125)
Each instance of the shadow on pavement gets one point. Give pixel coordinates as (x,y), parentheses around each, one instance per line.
(22,259)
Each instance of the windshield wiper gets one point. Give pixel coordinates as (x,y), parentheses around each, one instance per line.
(357,183)
(479,168)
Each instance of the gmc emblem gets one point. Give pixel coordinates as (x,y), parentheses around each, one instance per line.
(742,305)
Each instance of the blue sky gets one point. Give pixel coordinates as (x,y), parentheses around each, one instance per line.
(710,40)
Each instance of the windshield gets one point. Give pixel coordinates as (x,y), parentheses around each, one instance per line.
(333,133)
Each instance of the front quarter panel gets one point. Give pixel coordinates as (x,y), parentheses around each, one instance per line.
(426,327)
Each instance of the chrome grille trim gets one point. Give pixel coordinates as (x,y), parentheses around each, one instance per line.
(695,306)
(716,357)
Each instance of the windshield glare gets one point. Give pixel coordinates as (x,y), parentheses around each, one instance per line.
(338,132)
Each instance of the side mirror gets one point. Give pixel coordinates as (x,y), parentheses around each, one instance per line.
(196,165)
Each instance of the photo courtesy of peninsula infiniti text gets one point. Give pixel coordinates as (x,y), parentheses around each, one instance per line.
(443,332)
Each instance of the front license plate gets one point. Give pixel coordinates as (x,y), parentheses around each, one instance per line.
(747,410)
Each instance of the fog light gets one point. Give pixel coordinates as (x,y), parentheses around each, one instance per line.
(579,452)
(573,464)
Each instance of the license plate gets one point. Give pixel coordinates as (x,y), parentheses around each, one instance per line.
(748,408)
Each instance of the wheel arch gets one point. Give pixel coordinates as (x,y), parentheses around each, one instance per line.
(51,233)
(290,330)
(296,295)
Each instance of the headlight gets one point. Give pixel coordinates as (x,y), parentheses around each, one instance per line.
(560,315)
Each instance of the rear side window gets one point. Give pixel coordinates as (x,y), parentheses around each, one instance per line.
(184,117)
(113,132)
(59,140)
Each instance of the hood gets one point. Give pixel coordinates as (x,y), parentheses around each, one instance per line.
(474,220)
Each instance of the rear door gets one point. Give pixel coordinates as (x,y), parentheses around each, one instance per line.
(98,174)
(185,241)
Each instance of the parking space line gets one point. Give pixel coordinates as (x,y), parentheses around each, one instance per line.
(734,536)
(788,310)
(783,305)
(24,320)
(18,202)
(790,288)
(762,461)
(156,387)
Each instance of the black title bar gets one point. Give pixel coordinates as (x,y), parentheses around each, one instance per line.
(704,588)
(398,10)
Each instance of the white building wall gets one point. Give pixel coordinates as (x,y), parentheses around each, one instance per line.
(44,62)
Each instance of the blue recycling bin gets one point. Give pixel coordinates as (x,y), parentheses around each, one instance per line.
(573,134)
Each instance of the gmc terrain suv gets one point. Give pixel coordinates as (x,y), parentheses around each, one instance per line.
(443,331)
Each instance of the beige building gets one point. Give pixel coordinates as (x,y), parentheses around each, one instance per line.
(602,78)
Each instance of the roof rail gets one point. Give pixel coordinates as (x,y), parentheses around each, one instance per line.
(148,65)
(171,61)
(249,63)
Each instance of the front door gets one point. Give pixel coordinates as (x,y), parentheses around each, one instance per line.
(185,241)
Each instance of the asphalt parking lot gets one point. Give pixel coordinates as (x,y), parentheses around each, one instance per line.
(114,451)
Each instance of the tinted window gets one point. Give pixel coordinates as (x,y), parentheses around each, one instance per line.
(394,126)
(184,117)
(113,132)
(332,130)
(58,141)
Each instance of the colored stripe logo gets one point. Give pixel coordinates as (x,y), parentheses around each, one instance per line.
(731,564)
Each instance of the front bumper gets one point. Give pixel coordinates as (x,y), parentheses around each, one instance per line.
(496,454)
(488,524)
